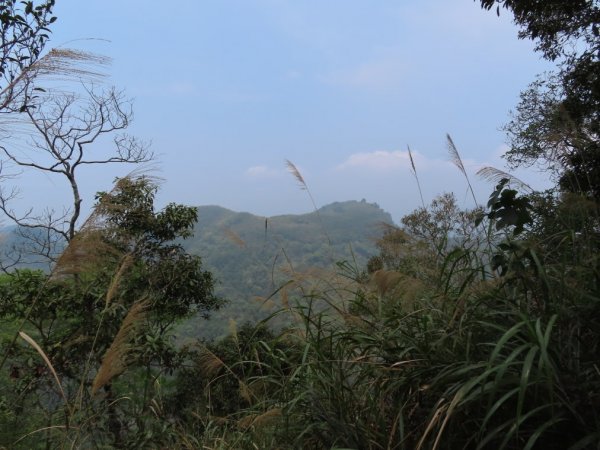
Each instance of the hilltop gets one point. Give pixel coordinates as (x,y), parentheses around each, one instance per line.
(251,256)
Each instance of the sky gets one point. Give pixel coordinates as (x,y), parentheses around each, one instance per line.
(227,91)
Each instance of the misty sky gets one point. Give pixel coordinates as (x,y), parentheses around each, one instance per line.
(228,90)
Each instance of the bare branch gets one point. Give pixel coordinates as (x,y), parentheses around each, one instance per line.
(59,131)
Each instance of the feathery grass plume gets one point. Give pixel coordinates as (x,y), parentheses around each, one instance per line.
(494,175)
(82,254)
(38,349)
(57,64)
(84,249)
(125,264)
(246,422)
(144,173)
(384,280)
(89,246)
(265,302)
(457,161)
(298,176)
(114,361)
(209,363)
(414,172)
(69,63)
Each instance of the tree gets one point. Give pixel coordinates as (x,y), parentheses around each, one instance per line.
(57,128)
(61,135)
(105,316)
(557,122)
(420,246)
(49,129)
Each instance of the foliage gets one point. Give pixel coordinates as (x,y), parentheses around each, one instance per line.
(24,32)
(470,358)
(104,318)
(426,237)
(558,118)
(471,329)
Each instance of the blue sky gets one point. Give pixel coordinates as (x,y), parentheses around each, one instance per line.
(228,90)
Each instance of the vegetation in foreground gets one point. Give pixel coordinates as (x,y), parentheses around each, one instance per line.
(470,329)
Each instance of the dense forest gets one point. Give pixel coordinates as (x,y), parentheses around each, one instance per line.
(453,329)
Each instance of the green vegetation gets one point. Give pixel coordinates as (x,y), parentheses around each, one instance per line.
(254,256)
(101,323)
(469,329)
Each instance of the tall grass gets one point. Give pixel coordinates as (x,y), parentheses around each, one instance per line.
(496,348)
(471,357)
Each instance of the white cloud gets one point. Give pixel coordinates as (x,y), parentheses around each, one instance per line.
(262,172)
(386,161)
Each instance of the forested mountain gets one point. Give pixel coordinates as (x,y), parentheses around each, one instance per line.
(253,256)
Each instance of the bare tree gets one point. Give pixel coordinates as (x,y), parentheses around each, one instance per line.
(56,134)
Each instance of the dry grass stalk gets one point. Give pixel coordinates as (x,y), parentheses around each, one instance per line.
(495,175)
(457,161)
(82,253)
(384,280)
(297,175)
(38,349)
(69,63)
(439,412)
(58,63)
(209,363)
(284,296)
(40,430)
(115,359)
(414,171)
(126,263)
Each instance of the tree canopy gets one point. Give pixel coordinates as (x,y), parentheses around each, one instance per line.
(557,122)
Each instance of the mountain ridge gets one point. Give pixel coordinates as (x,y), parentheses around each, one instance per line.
(252,256)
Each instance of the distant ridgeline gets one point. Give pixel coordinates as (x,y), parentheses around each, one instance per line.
(253,256)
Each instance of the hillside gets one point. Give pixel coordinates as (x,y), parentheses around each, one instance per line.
(252,256)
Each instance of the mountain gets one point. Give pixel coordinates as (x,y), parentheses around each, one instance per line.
(252,256)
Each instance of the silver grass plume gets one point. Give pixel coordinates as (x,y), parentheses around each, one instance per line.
(414,172)
(457,161)
(494,175)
